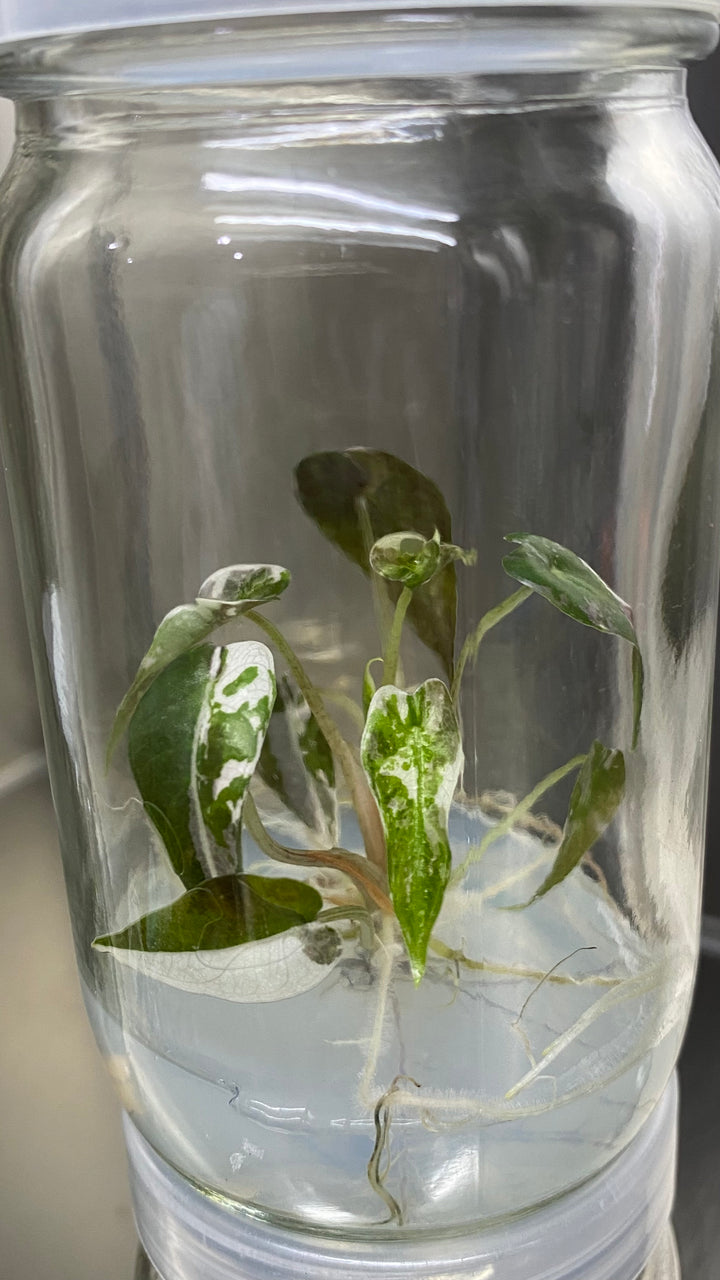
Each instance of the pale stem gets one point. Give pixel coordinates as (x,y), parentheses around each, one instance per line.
(359,869)
(392,649)
(381,601)
(345,703)
(358,915)
(486,623)
(507,823)
(362,798)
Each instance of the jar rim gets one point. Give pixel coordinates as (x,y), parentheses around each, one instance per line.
(22,20)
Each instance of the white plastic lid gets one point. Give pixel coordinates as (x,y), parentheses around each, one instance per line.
(20,19)
(607,1229)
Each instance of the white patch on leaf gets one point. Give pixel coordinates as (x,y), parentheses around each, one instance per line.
(274,968)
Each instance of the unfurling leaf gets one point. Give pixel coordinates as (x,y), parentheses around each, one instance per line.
(297,764)
(411,559)
(223,596)
(227,911)
(241,586)
(412,754)
(369,686)
(360,495)
(577,590)
(598,790)
(194,742)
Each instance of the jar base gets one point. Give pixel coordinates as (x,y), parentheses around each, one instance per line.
(614,1227)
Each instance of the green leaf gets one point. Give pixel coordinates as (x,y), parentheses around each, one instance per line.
(411,559)
(412,754)
(228,741)
(598,790)
(194,741)
(225,595)
(179,631)
(573,587)
(243,585)
(357,497)
(227,911)
(297,764)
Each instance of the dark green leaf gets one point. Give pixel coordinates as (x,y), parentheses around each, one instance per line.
(412,754)
(193,743)
(598,790)
(225,912)
(160,750)
(179,631)
(297,764)
(573,587)
(360,495)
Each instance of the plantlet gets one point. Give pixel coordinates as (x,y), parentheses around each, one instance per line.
(204,720)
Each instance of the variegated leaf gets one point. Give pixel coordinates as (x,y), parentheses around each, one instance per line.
(561,577)
(297,764)
(412,754)
(243,585)
(225,595)
(194,741)
(595,798)
(242,938)
(413,560)
(228,741)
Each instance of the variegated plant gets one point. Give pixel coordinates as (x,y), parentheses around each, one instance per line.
(203,721)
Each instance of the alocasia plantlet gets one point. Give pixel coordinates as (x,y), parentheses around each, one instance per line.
(203,719)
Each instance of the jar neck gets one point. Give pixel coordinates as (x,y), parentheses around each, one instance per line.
(246,117)
(386,54)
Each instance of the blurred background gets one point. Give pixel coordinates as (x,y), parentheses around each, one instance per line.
(64,1205)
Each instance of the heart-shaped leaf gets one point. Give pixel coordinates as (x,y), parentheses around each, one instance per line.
(412,754)
(572,586)
(360,495)
(599,788)
(297,764)
(194,742)
(227,911)
(222,596)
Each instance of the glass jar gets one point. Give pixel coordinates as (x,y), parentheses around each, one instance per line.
(359,396)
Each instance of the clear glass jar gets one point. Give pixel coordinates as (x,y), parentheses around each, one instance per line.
(421,957)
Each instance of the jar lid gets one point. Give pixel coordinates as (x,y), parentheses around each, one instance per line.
(21,19)
(604,1230)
